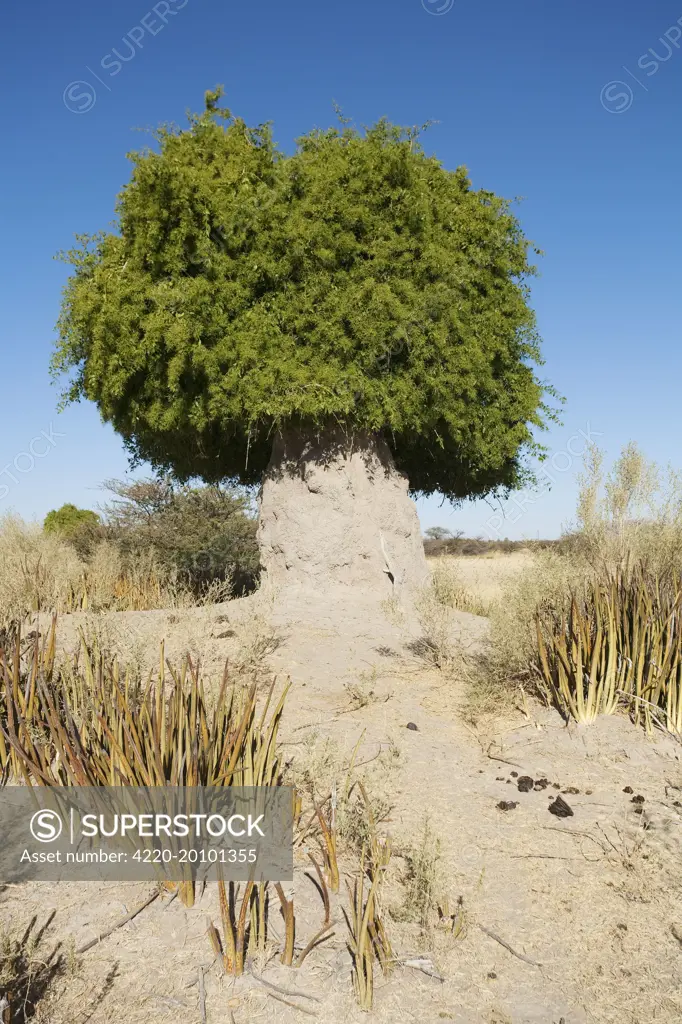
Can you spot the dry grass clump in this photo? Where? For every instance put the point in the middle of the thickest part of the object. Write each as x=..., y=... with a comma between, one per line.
x=449, y=590
x=422, y=882
x=112, y=582
x=37, y=570
x=590, y=600
x=256, y=638
x=90, y=723
x=436, y=645
x=436, y=604
x=367, y=936
x=351, y=798
x=363, y=691
x=548, y=581
x=27, y=970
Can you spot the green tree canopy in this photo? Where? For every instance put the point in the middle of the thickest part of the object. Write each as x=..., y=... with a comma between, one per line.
x=69, y=519
x=355, y=282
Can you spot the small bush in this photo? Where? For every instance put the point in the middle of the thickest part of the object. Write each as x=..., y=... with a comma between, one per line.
x=78, y=526
x=633, y=513
x=422, y=882
x=436, y=644
x=548, y=581
x=203, y=534
x=449, y=590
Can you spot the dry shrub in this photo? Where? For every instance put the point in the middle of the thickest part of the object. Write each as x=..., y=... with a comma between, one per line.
x=359, y=790
x=113, y=582
x=633, y=513
x=436, y=645
x=548, y=581
x=630, y=516
x=448, y=589
x=504, y=664
x=422, y=882
x=37, y=570
x=363, y=691
x=27, y=970
x=257, y=638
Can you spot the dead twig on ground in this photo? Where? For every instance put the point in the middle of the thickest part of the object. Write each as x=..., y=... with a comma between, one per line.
x=119, y=924
x=202, y=996
x=280, y=993
x=506, y=945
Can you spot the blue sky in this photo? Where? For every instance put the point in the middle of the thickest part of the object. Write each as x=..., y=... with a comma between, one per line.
x=523, y=96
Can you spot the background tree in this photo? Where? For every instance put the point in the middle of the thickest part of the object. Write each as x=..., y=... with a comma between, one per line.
x=437, y=533
x=80, y=527
x=330, y=322
x=206, y=533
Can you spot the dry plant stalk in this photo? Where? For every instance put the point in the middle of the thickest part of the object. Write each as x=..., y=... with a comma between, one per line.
x=455, y=921
x=239, y=910
x=361, y=920
x=328, y=842
x=367, y=934
x=287, y=907
x=234, y=914
x=19, y=693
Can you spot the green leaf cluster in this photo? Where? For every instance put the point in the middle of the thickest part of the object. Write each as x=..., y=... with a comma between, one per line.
x=69, y=519
x=355, y=281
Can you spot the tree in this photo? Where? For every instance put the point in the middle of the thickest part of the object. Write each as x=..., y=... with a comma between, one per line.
x=352, y=308
x=437, y=533
x=80, y=527
x=207, y=533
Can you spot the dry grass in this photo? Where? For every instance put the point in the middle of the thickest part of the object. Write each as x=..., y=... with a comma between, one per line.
x=40, y=572
x=27, y=970
x=632, y=515
x=358, y=791
x=547, y=581
x=422, y=882
x=36, y=570
x=436, y=645
x=448, y=589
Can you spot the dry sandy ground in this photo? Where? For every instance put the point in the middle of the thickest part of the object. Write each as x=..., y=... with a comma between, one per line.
x=569, y=920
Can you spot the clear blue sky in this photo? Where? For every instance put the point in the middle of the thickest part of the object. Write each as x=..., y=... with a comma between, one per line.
x=522, y=98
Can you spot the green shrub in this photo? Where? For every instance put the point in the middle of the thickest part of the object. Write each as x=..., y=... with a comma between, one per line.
x=80, y=527
x=204, y=534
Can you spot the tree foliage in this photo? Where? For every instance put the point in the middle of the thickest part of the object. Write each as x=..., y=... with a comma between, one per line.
x=355, y=282
x=205, y=533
